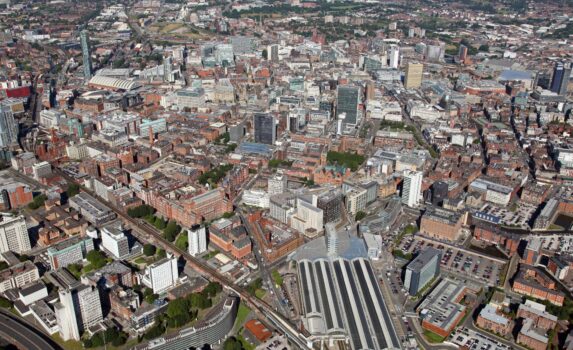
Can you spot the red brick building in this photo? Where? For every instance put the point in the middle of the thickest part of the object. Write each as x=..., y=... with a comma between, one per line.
x=532, y=282
x=492, y=320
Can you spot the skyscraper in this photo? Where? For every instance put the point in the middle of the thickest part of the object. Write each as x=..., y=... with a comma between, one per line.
x=197, y=240
x=421, y=270
x=115, y=241
x=168, y=69
x=86, y=54
x=411, y=188
x=14, y=234
x=394, y=57
x=273, y=53
x=561, y=76
x=162, y=275
x=8, y=127
x=413, y=76
x=463, y=53
x=347, y=102
x=79, y=309
x=277, y=184
x=331, y=203
x=265, y=128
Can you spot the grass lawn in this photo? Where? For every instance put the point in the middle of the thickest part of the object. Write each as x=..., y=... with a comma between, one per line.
x=140, y=260
x=260, y=293
x=130, y=344
x=246, y=344
x=211, y=254
x=277, y=277
x=242, y=314
x=182, y=241
x=433, y=337
x=171, y=27
x=68, y=345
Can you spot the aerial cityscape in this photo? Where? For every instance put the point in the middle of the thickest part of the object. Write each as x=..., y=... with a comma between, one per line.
x=286, y=174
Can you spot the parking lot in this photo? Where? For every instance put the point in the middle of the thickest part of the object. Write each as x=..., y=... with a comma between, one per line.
x=556, y=243
x=458, y=261
x=278, y=342
x=517, y=215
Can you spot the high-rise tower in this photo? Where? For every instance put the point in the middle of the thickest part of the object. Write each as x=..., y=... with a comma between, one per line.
x=561, y=76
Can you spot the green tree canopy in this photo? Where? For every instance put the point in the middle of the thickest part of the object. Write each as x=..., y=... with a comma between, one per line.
x=149, y=249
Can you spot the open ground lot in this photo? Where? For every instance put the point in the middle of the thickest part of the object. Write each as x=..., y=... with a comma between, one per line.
x=457, y=260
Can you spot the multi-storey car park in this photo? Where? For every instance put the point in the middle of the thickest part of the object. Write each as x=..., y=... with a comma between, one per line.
x=340, y=294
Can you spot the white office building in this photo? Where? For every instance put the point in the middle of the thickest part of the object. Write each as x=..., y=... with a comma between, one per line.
x=394, y=57
x=14, y=234
x=356, y=200
x=66, y=317
x=412, y=188
x=77, y=151
x=79, y=309
x=277, y=184
x=161, y=275
x=50, y=118
x=42, y=169
x=115, y=241
x=256, y=198
x=308, y=218
x=197, y=241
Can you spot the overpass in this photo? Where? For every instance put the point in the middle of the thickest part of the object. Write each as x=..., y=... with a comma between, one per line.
x=23, y=336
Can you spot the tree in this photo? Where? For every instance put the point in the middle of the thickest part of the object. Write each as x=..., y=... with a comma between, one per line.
x=5, y=303
x=178, y=320
x=265, y=54
x=232, y=343
x=75, y=269
x=141, y=211
x=360, y=215
x=150, y=299
x=199, y=300
x=484, y=48
x=159, y=223
x=256, y=284
x=161, y=253
x=171, y=230
x=179, y=306
x=96, y=259
x=37, y=202
x=213, y=288
x=72, y=190
x=155, y=331
x=349, y=160
x=149, y=250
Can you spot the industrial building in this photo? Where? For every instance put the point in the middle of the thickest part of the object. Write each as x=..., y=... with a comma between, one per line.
x=340, y=294
x=91, y=209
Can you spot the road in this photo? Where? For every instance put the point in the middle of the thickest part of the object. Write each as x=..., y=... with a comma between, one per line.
x=260, y=307
x=22, y=335
x=263, y=267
